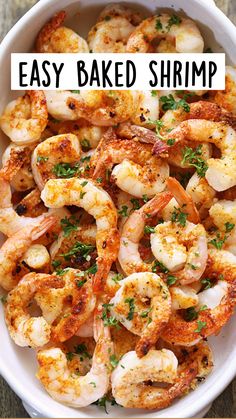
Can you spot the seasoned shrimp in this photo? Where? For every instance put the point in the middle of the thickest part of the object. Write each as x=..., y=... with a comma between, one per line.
x=56, y=38
x=201, y=192
x=119, y=10
x=10, y=221
x=110, y=35
x=14, y=248
x=47, y=155
x=226, y=98
x=143, y=306
x=184, y=200
x=182, y=249
x=31, y=205
x=218, y=303
x=73, y=390
x=25, y=118
x=183, y=297
x=37, y=257
x=135, y=373
x=223, y=214
x=137, y=171
x=24, y=329
x=100, y=108
x=147, y=108
x=13, y=159
x=96, y=202
x=180, y=35
x=132, y=232
x=220, y=172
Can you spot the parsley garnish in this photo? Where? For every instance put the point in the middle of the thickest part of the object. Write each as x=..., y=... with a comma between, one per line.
x=75, y=91
x=190, y=314
x=170, y=142
x=79, y=248
x=169, y=102
x=82, y=350
x=154, y=93
x=200, y=325
x=114, y=361
x=218, y=242
x=65, y=170
x=149, y=229
x=130, y=301
x=206, y=282
x=158, y=25
x=102, y=402
x=69, y=224
x=145, y=313
x=99, y=179
x=42, y=159
x=135, y=203
x=229, y=227
x=159, y=266
x=171, y=280
x=85, y=144
x=117, y=277
x=123, y=212
x=56, y=263
x=174, y=20
x=194, y=158
x=80, y=282
x=179, y=217
x=107, y=318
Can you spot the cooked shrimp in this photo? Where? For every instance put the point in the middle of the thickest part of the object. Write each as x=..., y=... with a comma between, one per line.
x=56, y=150
x=96, y=202
x=56, y=38
x=100, y=108
x=24, y=329
x=37, y=257
x=10, y=221
x=14, y=248
x=137, y=172
x=181, y=249
x=184, y=200
x=183, y=297
x=13, y=159
x=73, y=390
x=223, y=214
x=201, y=192
x=25, y=118
x=220, y=172
x=143, y=306
x=132, y=232
x=226, y=98
x=110, y=35
x=180, y=35
x=31, y=205
x=147, y=109
x=120, y=10
x=218, y=306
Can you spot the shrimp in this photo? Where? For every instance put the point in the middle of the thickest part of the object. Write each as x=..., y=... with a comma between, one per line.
x=223, y=214
x=119, y=10
x=110, y=35
x=132, y=232
x=96, y=202
x=14, y=248
x=183, y=297
x=147, y=109
x=31, y=205
x=220, y=172
x=10, y=221
x=201, y=192
x=157, y=366
x=73, y=390
x=143, y=306
x=61, y=149
x=181, y=249
x=26, y=330
x=37, y=257
x=13, y=159
x=184, y=200
x=218, y=303
x=100, y=108
x=180, y=35
x=137, y=171
x=56, y=38
x=226, y=98
x=25, y=118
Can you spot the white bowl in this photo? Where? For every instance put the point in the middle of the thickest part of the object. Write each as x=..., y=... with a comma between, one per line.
x=18, y=365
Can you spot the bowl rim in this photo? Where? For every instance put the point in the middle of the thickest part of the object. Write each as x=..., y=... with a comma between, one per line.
x=5, y=370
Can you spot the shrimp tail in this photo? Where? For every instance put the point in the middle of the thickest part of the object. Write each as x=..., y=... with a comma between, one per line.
x=44, y=226
x=183, y=199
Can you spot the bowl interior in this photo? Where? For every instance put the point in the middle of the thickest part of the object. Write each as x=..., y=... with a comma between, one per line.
x=18, y=365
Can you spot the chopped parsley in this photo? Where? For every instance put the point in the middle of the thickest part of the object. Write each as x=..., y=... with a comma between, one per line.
x=190, y=314
x=90, y=271
x=124, y=211
x=56, y=263
x=179, y=217
x=169, y=102
x=149, y=229
x=206, y=282
x=69, y=224
x=170, y=142
x=158, y=266
x=194, y=158
x=135, y=203
x=145, y=313
x=79, y=248
x=85, y=144
x=117, y=277
x=171, y=280
x=66, y=170
x=109, y=320
x=229, y=227
x=82, y=350
x=80, y=282
x=154, y=93
x=70, y=356
x=130, y=302
x=200, y=326
x=102, y=402
x=218, y=242
x=174, y=20
x=41, y=159
x=158, y=25
x=99, y=180
x=114, y=361
x=75, y=91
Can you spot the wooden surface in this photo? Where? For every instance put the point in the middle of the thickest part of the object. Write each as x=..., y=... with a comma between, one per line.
x=10, y=405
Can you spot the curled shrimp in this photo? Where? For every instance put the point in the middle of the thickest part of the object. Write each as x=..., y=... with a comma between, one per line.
x=63, y=148
x=24, y=329
x=16, y=168
x=100, y=108
x=10, y=221
x=143, y=306
x=73, y=390
x=220, y=172
x=216, y=304
x=110, y=35
x=223, y=214
x=137, y=171
x=160, y=366
x=184, y=200
x=56, y=38
x=132, y=232
x=119, y=10
x=25, y=118
x=179, y=35
x=181, y=249
x=14, y=248
x=96, y=202
x=201, y=192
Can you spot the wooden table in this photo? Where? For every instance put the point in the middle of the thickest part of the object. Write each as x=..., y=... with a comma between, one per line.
x=10, y=404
